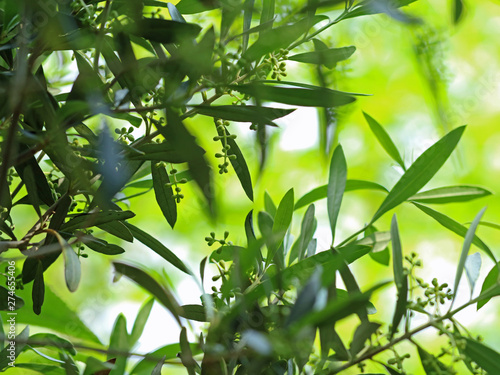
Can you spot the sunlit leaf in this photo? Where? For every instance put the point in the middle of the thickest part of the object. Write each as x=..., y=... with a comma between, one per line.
x=469, y=237
x=421, y=171
x=329, y=57
x=5, y=354
x=194, y=312
x=384, y=140
x=196, y=6
x=72, y=268
x=246, y=113
x=322, y=191
x=40, y=340
x=450, y=194
x=472, y=268
x=430, y=363
x=455, y=227
x=186, y=355
x=297, y=96
x=336, y=187
x=400, y=278
x=307, y=229
x=140, y=321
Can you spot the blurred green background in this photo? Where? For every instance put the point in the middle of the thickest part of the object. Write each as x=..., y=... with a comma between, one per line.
x=424, y=80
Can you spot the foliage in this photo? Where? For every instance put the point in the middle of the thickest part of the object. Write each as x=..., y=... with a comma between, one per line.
x=278, y=301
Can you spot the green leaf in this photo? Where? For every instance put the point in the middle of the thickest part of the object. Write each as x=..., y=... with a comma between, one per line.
x=363, y=332
x=6, y=354
x=101, y=246
x=186, y=146
x=186, y=355
x=239, y=164
x=336, y=187
x=450, y=194
x=38, y=292
x=158, y=367
x=430, y=363
x=397, y=254
x=487, y=358
x=455, y=227
x=472, y=268
x=281, y=223
x=385, y=140
x=56, y=316
x=280, y=37
x=72, y=268
x=421, y=171
x=41, y=340
x=306, y=298
x=140, y=321
x=117, y=229
x=384, y=6
x=94, y=219
x=491, y=280
x=307, y=229
x=165, y=31
x=322, y=191
x=194, y=312
x=164, y=193
x=469, y=237
x=157, y=247
x=269, y=205
x=244, y=113
x=329, y=57
x=93, y=365
x=298, y=96
x=145, y=366
x=4, y=300
x=174, y=13
x=197, y=6
x=159, y=152
x=458, y=9
x=400, y=279
x=30, y=183
x=144, y=280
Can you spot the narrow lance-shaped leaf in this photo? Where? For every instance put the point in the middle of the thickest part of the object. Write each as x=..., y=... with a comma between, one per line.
x=384, y=140
x=455, y=227
x=363, y=332
x=328, y=57
x=140, y=321
x=450, y=194
x=282, y=221
x=336, y=187
x=280, y=37
x=269, y=204
x=186, y=354
x=400, y=279
x=72, y=268
x=163, y=193
x=322, y=191
x=237, y=160
x=469, y=237
x=487, y=358
x=472, y=268
x=144, y=280
x=421, y=171
x=157, y=247
x=491, y=280
x=307, y=229
x=458, y=9
x=38, y=291
x=298, y=96
x=94, y=219
x=247, y=113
